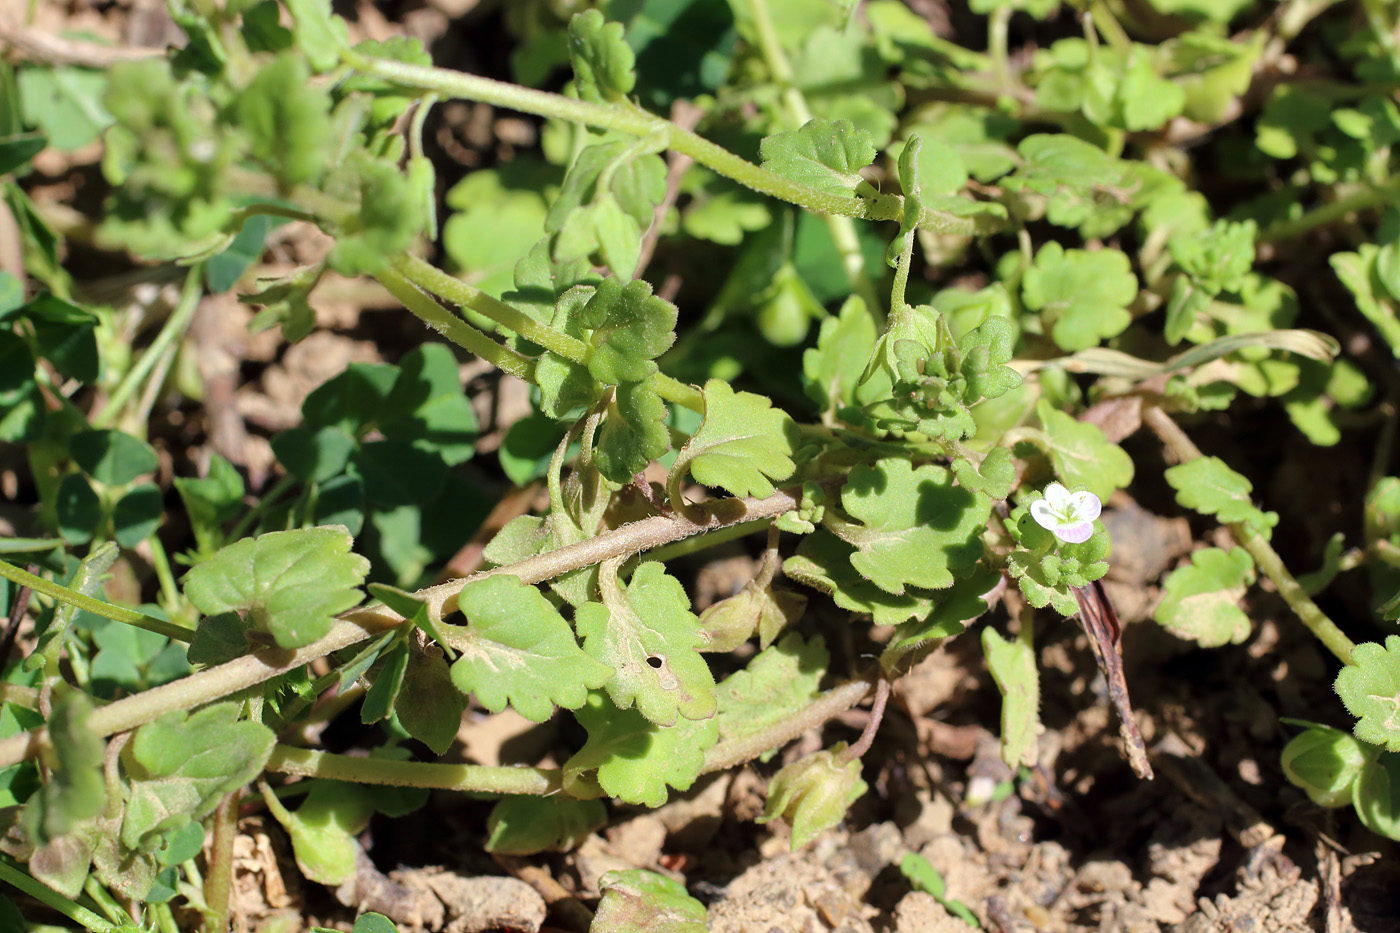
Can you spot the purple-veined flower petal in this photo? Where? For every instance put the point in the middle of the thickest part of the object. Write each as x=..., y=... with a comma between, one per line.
x=1085, y=505
x=1075, y=534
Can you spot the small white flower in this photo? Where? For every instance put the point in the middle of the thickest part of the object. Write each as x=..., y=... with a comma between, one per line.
x=1069, y=515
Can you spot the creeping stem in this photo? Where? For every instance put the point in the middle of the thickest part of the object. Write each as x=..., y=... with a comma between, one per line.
x=624, y=119
x=1265, y=557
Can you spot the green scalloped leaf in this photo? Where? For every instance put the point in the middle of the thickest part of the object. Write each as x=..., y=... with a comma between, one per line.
x=1370, y=689
x=917, y=525
x=517, y=649
x=1201, y=599
x=1082, y=455
x=602, y=59
x=635, y=760
x=287, y=584
x=648, y=635
x=1012, y=664
x=743, y=446
x=822, y=154
x=1210, y=487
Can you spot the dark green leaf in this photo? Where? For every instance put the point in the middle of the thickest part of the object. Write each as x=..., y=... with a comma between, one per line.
x=112, y=457
x=137, y=514
x=78, y=509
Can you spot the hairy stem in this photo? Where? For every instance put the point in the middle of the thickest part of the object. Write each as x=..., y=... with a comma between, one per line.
x=475, y=778
x=872, y=725
x=833, y=703
x=218, y=882
x=1265, y=557
x=174, y=328
x=454, y=328
x=96, y=606
x=355, y=626
x=843, y=232
x=630, y=120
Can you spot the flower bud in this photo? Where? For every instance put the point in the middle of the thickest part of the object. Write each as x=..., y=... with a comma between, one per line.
x=812, y=794
x=1324, y=762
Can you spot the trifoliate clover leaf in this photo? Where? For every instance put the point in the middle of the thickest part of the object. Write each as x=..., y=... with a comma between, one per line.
x=517, y=649
x=635, y=759
x=1201, y=599
x=1082, y=455
x=181, y=765
x=648, y=635
x=1370, y=690
x=427, y=405
x=528, y=825
x=1082, y=296
x=1325, y=763
x=823, y=562
x=289, y=585
x=778, y=681
x=824, y=155
x=1210, y=487
x=602, y=59
x=914, y=639
x=1012, y=664
x=917, y=526
x=812, y=794
x=639, y=901
x=743, y=445
x=633, y=434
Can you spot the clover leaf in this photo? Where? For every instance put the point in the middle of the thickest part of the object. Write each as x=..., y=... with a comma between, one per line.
x=640, y=901
x=1201, y=600
x=1082, y=296
x=648, y=635
x=917, y=525
x=821, y=154
x=743, y=445
x=286, y=584
x=1370, y=690
x=635, y=759
x=516, y=649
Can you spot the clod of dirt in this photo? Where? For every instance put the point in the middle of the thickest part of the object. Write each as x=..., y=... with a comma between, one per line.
x=475, y=905
x=789, y=894
x=920, y=913
x=1273, y=902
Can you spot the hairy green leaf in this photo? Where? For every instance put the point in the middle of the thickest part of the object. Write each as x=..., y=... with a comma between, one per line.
x=1201, y=599
x=822, y=154
x=602, y=59
x=289, y=585
x=1370, y=689
x=1210, y=487
x=639, y=901
x=743, y=445
x=1012, y=664
x=528, y=825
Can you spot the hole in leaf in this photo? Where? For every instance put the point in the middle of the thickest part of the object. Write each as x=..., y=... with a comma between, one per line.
x=656, y=662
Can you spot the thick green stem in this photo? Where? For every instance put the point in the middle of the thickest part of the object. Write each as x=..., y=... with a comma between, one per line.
x=432, y=279
x=1265, y=557
x=635, y=122
x=174, y=328
x=454, y=328
x=96, y=606
x=475, y=778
